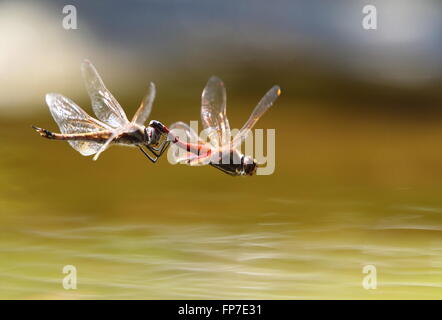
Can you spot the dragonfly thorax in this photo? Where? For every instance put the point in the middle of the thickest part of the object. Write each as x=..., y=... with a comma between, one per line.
x=244, y=166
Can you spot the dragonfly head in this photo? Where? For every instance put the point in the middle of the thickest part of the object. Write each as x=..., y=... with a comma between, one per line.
x=152, y=135
x=248, y=166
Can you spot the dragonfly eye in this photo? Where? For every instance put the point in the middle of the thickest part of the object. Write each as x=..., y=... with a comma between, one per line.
x=152, y=135
x=148, y=134
x=249, y=165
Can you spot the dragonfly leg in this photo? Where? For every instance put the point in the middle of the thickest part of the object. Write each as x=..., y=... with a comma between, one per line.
x=163, y=147
x=158, y=151
x=160, y=145
x=154, y=160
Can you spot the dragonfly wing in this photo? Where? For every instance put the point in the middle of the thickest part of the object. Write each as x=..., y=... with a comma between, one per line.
x=181, y=128
x=105, y=106
x=213, y=111
x=199, y=160
x=72, y=119
x=192, y=159
x=145, y=108
x=263, y=105
x=104, y=146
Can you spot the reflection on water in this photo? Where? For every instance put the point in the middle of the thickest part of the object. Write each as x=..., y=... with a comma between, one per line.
x=275, y=256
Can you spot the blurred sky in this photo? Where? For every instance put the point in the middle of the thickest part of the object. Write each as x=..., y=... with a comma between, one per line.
x=299, y=43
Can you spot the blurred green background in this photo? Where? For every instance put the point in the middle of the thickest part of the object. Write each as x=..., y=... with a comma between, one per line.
x=358, y=177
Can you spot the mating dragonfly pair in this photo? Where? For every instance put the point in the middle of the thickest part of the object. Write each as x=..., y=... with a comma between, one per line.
x=91, y=136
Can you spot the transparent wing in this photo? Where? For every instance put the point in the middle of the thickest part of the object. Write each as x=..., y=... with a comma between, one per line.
x=263, y=105
x=213, y=111
x=145, y=108
x=104, y=104
x=198, y=160
x=179, y=128
x=72, y=119
x=104, y=146
x=192, y=159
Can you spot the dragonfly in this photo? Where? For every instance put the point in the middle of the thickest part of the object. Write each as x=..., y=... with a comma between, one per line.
x=91, y=136
x=222, y=151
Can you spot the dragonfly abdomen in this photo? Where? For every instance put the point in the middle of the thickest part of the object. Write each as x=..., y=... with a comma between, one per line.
x=99, y=136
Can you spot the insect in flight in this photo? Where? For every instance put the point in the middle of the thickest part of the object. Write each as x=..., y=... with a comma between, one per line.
x=221, y=152
x=91, y=136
